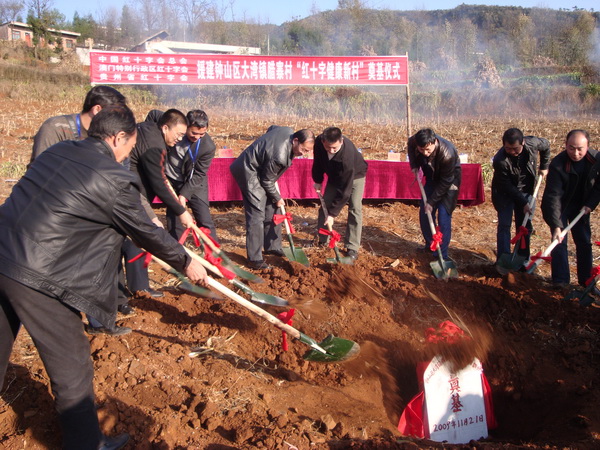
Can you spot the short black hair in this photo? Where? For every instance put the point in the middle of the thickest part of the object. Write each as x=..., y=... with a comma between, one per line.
x=331, y=135
x=172, y=117
x=111, y=120
x=103, y=96
x=512, y=135
x=425, y=137
x=197, y=118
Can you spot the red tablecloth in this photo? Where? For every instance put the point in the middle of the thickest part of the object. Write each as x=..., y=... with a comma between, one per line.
x=385, y=180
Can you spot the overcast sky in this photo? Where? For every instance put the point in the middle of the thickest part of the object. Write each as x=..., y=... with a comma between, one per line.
x=278, y=11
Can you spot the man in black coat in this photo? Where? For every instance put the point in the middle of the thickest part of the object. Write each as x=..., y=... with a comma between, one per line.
x=61, y=232
x=256, y=172
x=336, y=156
x=439, y=161
x=75, y=127
x=186, y=169
x=515, y=170
x=572, y=185
x=149, y=156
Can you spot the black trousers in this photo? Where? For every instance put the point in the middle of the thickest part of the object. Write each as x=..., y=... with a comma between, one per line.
x=57, y=331
x=135, y=272
x=200, y=211
x=261, y=231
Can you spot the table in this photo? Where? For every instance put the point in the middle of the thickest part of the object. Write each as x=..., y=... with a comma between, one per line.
x=385, y=180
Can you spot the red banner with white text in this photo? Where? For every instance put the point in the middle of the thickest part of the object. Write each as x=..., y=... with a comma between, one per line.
x=157, y=68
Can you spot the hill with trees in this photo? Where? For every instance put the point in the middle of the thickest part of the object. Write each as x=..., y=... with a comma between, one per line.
x=471, y=59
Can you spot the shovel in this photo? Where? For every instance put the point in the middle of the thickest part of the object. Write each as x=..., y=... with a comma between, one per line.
x=215, y=248
x=292, y=253
x=441, y=269
x=331, y=349
x=186, y=284
x=537, y=259
x=584, y=296
x=508, y=263
x=254, y=296
x=244, y=274
x=338, y=258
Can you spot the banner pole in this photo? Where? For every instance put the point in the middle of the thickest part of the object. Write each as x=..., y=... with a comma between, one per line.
x=408, y=114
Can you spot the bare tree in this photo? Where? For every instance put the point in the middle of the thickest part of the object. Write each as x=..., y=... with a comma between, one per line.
x=351, y=4
x=192, y=12
x=150, y=14
x=9, y=10
x=108, y=21
x=40, y=8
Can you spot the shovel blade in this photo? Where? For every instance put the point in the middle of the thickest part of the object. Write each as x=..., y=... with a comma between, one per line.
x=337, y=349
x=509, y=262
x=296, y=254
x=583, y=296
x=243, y=274
x=197, y=290
x=259, y=297
x=444, y=270
x=268, y=299
x=575, y=294
x=341, y=260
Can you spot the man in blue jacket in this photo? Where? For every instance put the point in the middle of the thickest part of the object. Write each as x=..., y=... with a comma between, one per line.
x=61, y=232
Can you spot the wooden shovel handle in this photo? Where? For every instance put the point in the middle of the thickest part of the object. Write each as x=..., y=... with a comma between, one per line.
x=285, y=221
x=424, y=196
x=243, y=302
x=533, y=199
x=208, y=241
x=252, y=307
x=563, y=233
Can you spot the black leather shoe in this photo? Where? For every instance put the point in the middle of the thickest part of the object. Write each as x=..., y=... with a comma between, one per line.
x=126, y=309
x=116, y=331
x=258, y=265
x=352, y=254
x=275, y=252
x=114, y=443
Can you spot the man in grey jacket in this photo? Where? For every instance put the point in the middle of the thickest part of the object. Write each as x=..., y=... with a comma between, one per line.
x=256, y=171
x=61, y=232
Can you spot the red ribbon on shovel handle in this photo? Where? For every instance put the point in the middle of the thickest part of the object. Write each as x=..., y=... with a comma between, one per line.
x=521, y=233
x=278, y=218
x=436, y=239
x=594, y=274
x=147, y=258
x=537, y=256
x=285, y=317
x=334, y=236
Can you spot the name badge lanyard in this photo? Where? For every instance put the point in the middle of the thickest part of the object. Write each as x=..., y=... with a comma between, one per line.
x=194, y=156
x=78, y=120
